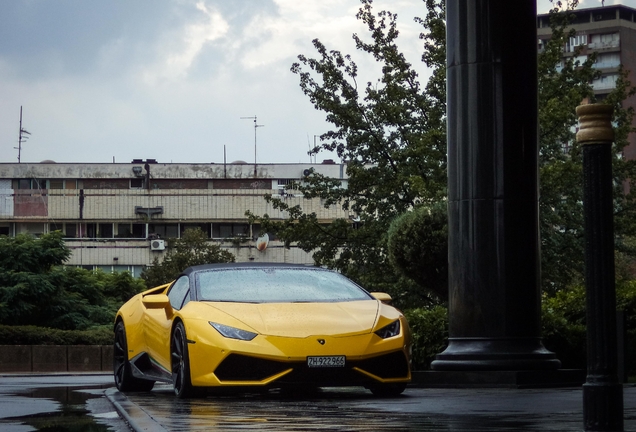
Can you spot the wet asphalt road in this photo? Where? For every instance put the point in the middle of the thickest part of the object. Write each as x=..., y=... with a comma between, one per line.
x=57, y=403
x=355, y=409
x=83, y=403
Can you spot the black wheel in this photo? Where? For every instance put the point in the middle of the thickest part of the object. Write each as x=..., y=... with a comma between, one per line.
x=181, y=364
x=124, y=380
x=388, y=390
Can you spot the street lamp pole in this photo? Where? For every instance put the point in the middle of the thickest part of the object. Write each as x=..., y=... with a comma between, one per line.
x=602, y=391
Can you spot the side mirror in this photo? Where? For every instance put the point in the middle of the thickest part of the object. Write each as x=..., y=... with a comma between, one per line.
x=156, y=301
x=383, y=297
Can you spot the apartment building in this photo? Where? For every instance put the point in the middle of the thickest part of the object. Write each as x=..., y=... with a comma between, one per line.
x=610, y=32
x=117, y=217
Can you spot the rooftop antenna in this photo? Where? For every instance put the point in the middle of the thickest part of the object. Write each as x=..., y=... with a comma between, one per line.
x=255, y=126
x=22, y=136
x=311, y=153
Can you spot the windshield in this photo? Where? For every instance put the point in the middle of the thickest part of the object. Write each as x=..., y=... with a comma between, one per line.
x=277, y=285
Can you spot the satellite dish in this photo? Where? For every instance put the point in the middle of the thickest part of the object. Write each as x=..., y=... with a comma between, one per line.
x=262, y=242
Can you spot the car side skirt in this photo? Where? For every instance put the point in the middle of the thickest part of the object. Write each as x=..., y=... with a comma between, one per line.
x=143, y=367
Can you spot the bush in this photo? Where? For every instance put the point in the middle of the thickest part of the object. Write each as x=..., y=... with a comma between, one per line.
x=564, y=333
x=418, y=247
x=429, y=328
x=563, y=327
x=32, y=335
x=564, y=324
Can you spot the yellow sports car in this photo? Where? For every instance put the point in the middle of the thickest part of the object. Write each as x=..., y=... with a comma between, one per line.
x=261, y=325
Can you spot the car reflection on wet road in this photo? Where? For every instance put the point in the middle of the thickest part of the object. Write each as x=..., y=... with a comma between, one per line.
x=345, y=409
x=325, y=409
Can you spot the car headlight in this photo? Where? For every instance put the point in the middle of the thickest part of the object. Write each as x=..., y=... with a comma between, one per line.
x=390, y=330
x=233, y=332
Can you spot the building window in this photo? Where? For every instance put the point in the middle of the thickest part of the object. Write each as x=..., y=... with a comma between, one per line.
x=625, y=15
x=104, y=268
x=163, y=230
x=128, y=230
x=39, y=184
x=33, y=228
x=605, y=82
x=607, y=40
x=124, y=230
x=45, y=184
x=137, y=183
x=62, y=184
x=230, y=230
x=604, y=14
x=286, y=183
x=205, y=227
x=576, y=42
x=608, y=60
x=71, y=230
x=105, y=230
x=24, y=184
x=610, y=38
x=56, y=184
x=87, y=230
x=139, y=230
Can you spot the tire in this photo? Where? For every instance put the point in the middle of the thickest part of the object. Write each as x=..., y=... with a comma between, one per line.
x=388, y=390
x=122, y=371
x=183, y=388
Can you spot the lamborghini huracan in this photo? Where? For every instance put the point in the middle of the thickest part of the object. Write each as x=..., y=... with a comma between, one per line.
x=260, y=325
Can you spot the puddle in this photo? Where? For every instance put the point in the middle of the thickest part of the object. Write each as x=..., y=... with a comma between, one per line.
x=58, y=409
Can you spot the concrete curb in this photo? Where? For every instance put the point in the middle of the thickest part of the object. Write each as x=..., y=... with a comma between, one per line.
x=48, y=374
x=136, y=417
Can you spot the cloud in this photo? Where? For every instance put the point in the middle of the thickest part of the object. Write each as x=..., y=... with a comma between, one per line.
x=171, y=79
x=179, y=49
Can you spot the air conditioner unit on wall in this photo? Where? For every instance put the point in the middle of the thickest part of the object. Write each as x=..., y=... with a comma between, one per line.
x=157, y=245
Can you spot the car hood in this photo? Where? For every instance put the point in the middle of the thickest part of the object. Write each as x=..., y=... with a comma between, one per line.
x=304, y=319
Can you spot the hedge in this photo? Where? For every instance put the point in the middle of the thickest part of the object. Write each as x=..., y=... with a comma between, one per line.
x=32, y=335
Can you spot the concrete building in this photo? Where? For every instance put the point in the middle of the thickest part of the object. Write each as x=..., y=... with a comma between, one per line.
x=118, y=216
x=610, y=32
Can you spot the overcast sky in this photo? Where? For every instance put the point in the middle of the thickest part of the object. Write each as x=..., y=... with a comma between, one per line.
x=171, y=79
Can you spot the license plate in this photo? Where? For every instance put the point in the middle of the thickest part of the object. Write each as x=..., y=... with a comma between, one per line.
x=326, y=361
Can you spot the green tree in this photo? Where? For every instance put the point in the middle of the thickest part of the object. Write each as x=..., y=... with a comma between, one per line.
x=561, y=90
x=25, y=264
x=391, y=133
x=36, y=289
x=26, y=253
x=193, y=248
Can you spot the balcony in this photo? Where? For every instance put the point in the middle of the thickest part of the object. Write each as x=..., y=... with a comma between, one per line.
x=604, y=45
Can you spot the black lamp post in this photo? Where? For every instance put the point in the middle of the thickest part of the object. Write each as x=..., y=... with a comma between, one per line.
x=602, y=391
